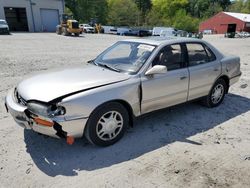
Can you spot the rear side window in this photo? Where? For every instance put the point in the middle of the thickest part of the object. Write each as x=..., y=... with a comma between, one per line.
x=210, y=54
x=197, y=54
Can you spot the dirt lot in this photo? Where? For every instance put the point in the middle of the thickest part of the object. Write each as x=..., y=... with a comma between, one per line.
x=184, y=146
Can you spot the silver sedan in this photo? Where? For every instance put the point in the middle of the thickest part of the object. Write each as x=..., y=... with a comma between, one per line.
x=101, y=98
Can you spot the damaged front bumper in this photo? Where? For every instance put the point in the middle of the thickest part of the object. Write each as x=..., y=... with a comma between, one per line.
x=61, y=128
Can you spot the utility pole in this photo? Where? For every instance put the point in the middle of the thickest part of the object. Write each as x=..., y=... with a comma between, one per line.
x=32, y=14
x=63, y=5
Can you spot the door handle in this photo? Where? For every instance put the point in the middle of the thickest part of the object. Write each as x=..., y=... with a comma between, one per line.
x=183, y=77
x=216, y=69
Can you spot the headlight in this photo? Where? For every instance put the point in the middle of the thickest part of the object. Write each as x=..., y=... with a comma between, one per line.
x=46, y=110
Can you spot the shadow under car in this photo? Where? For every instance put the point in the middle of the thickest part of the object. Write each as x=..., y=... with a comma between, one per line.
x=152, y=131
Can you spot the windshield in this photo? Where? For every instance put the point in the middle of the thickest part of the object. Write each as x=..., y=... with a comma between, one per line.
x=3, y=22
x=125, y=56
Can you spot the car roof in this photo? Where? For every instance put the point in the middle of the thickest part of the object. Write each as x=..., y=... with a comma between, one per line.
x=157, y=41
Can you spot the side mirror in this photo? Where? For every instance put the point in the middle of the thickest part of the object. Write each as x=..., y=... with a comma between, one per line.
x=157, y=69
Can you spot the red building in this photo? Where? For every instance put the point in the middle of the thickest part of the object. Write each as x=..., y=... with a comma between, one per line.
x=226, y=22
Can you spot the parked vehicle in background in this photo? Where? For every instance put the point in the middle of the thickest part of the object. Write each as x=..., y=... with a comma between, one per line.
x=109, y=29
x=68, y=26
x=208, y=31
x=168, y=32
x=242, y=34
x=122, y=30
x=131, y=78
x=138, y=32
x=181, y=33
x=157, y=31
x=195, y=35
x=86, y=28
x=230, y=35
x=4, y=28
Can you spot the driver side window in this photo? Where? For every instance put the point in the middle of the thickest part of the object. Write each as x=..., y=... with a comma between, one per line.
x=170, y=56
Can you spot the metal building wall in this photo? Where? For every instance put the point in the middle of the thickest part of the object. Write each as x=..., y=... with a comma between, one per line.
x=33, y=10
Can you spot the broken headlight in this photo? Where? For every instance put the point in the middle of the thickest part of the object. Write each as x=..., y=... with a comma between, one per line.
x=45, y=110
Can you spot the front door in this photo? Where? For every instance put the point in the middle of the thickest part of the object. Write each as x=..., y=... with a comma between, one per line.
x=167, y=89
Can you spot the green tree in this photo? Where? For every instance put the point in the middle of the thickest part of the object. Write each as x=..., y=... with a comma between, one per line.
x=84, y=10
x=144, y=7
x=207, y=8
x=72, y=6
x=248, y=6
x=224, y=4
x=184, y=21
x=212, y=10
x=122, y=13
x=241, y=6
x=163, y=11
x=197, y=8
x=168, y=7
x=179, y=13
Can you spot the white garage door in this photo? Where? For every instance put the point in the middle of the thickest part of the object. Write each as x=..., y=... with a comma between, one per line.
x=50, y=19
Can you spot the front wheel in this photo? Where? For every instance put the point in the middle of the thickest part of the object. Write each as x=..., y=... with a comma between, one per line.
x=217, y=94
x=65, y=32
x=107, y=124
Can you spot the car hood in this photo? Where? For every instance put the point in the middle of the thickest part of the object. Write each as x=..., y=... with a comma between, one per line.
x=51, y=85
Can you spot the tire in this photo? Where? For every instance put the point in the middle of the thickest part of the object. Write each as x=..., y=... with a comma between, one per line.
x=58, y=31
x=65, y=32
x=217, y=94
x=102, y=128
x=77, y=34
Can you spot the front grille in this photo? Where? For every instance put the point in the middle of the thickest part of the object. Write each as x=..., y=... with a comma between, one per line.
x=20, y=100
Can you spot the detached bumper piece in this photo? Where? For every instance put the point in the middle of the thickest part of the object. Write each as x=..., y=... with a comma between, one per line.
x=62, y=134
x=57, y=127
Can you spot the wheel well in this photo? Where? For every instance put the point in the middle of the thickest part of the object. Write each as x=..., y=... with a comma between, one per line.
x=226, y=79
x=129, y=109
x=123, y=103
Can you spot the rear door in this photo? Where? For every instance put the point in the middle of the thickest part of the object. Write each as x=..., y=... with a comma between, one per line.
x=163, y=90
x=204, y=69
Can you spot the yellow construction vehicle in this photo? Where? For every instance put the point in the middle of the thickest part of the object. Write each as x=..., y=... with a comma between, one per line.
x=68, y=26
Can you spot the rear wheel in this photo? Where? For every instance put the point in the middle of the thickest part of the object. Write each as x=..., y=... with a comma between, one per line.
x=217, y=94
x=107, y=124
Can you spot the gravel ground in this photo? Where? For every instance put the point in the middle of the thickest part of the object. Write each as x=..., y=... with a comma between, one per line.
x=183, y=146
